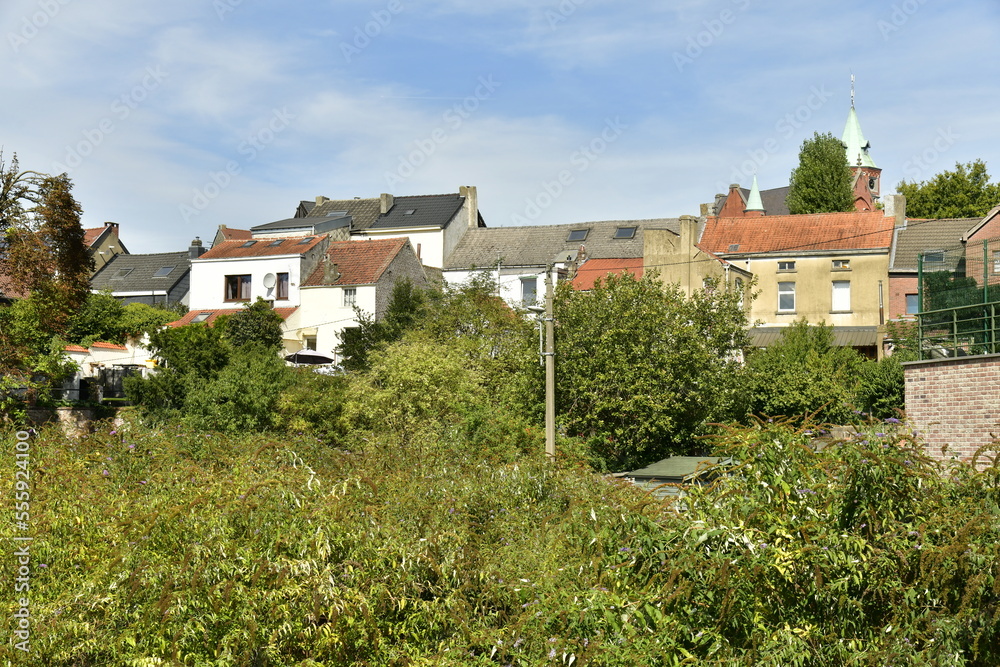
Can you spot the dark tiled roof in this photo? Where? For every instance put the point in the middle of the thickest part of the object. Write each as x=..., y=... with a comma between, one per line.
x=420, y=211
x=593, y=269
x=541, y=244
x=358, y=262
x=263, y=247
x=214, y=314
x=918, y=236
x=855, y=230
x=143, y=267
x=842, y=336
x=306, y=223
x=363, y=211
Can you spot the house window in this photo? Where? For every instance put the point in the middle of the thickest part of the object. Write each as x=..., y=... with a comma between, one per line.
x=739, y=289
x=350, y=296
x=841, y=296
x=625, y=233
x=201, y=317
x=934, y=257
x=163, y=272
x=238, y=288
x=996, y=261
x=841, y=265
x=121, y=273
x=310, y=342
x=786, y=297
x=578, y=235
x=282, y=286
x=786, y=266
x=529, y=291
x=912, y=304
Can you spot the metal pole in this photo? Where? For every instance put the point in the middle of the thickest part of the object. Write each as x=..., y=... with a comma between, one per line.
x=550, y=369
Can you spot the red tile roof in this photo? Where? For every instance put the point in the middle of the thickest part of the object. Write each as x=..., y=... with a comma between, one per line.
x=855, y=230
x=213, y=314
x=75, y=348
x=262, y=247
x=359, y=262
x=107, y=346
x=592, y=269
x=230, y=234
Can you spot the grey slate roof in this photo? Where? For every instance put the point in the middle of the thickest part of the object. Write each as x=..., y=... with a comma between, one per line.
x=537, y=245
x=918, y=236
x=363, y=211
x=140, y=278
x=312, y=224
x=420, y=211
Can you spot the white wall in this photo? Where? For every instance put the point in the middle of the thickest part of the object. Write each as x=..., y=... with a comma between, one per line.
x=510, y=281
x=208, y=280
x=322, y=313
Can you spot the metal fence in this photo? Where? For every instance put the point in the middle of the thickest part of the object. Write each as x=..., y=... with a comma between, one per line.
x=959, y=295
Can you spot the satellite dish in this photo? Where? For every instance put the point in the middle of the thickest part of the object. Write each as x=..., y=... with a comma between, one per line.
x=270, y=281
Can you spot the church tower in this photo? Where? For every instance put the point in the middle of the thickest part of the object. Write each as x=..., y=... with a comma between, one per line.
x=867, y=176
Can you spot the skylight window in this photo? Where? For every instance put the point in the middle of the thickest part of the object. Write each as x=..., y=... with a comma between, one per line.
x=934, y=256
x=121, y=273
x=163, y=272
x=733, y=247
x=625, y=233
x=275, y=243
x=201, y=317
x=578, y=235
x=248, y=244
x=308, y=239
x=409, y=211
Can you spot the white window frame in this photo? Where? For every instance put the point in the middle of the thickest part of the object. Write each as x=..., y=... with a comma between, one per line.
x=786, y=288
x=786, y=265
x=529, y=284
x=350, y=297
x=840, y=296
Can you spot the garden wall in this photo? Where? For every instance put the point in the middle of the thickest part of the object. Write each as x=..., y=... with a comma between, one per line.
x=954, y=403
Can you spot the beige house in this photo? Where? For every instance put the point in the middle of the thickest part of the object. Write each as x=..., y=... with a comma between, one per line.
x=830, y=268
x=678, y=258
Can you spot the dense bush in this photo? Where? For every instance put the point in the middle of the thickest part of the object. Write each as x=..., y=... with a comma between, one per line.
x=177, y=547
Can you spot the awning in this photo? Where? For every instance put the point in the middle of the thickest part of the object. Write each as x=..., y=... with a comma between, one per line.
x=842, y=336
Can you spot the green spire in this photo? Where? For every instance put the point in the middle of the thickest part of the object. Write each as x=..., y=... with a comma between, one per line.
x=854, y=140
x=753, y=201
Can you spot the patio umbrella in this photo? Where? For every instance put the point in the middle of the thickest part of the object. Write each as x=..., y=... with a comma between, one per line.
x=310, y=357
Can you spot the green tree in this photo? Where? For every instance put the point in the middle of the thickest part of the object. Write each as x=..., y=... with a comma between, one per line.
x=255, y=323
x=19, y=192
x=804, y=374
x=965, y=192
x=821, y=183
x=403, y=312
x=641, y=370
x=105, y=318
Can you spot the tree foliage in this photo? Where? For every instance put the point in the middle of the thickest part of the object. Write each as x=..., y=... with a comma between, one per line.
x=965, y=192
x=255, y=323
x=804, y=375
x=404, y=310
x=821, y=183
x=641, y=370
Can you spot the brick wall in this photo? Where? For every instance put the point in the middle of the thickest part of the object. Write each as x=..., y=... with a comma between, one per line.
x=899, y=287
x=954, y=402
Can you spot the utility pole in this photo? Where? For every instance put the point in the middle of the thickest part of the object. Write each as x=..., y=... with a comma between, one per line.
x=550, y=369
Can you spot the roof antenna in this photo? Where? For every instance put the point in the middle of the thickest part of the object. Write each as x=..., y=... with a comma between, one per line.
x=852, y=90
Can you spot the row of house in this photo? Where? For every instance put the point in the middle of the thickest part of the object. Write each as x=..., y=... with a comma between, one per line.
x=854, y=271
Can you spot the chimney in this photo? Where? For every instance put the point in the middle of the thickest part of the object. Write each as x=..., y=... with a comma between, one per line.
x=112, y=225
x=331, y=273
x=385, y=202
x=471, y=203
x=689, y=232
x=196, y=250
x=895, y=207
x=320, y=200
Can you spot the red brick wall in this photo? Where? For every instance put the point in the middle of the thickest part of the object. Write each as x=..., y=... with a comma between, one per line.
x=899, y=287
x=954, y=402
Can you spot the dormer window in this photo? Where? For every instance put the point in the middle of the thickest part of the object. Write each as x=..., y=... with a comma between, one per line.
x=625, y=233
x=577, y=235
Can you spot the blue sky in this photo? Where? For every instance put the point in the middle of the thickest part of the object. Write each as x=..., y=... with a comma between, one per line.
x=173, y=118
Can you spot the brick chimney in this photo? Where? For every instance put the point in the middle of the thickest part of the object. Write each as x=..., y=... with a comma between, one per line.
x=197, y=249
x=386, y=201
x=471, y=203
x=320, y=200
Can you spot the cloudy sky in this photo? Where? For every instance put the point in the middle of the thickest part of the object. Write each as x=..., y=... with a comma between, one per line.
x=175, y=117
